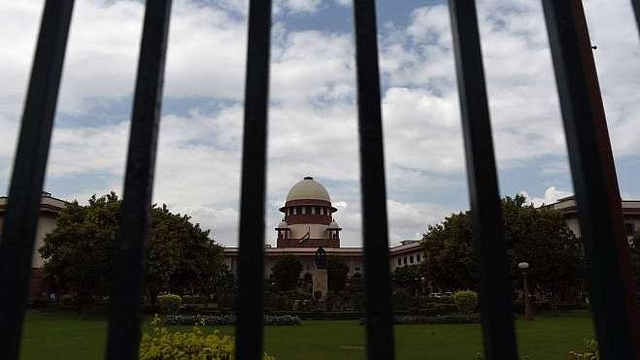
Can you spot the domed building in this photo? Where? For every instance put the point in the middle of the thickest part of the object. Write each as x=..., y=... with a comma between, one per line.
x=308, y=223
x=308, y=218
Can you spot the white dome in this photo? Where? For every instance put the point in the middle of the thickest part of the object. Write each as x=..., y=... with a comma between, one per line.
x=334, y=225
x=283, y=224
x=308, y=189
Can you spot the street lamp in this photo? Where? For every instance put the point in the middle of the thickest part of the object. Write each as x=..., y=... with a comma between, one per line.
x=524, y=266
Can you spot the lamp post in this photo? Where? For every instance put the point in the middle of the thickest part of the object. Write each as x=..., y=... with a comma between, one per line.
x=524, y=266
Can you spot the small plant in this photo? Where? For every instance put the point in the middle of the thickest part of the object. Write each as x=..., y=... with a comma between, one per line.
x=591, y=352
x=66, y=300
x=170, y=303
x=162, y=344
x=466, y=301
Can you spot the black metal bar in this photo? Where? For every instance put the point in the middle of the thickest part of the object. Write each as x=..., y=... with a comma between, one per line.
x=23, y=207
x=488, y=224
x=130, y=256
x=378, y=316
x=249, y=299
x=636, y=10
x=594, y=178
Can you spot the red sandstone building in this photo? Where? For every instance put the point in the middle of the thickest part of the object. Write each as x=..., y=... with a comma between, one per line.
x=308, y=223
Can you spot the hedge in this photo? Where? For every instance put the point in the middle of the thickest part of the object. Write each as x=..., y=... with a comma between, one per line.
x=226, y=319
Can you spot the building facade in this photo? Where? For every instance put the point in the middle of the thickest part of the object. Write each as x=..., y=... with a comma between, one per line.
x=630, y=210
x=308, y=223
x=50, y=207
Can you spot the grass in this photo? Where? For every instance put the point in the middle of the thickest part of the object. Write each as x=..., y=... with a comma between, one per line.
x=72, y=336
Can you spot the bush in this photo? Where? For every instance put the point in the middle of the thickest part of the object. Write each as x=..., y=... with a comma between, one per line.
x=66, y=300
x=226, y=301
x=466, y=301
x=193, y=299
x=170, y=303
x=590, y=354
x=162, y=344
x=38, y=302
x=226, y=319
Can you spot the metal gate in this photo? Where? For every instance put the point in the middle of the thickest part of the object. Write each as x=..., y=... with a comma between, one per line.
x=598, y=199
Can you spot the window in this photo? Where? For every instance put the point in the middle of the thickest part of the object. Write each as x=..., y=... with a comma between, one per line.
x=294, y=211
x=630, y=228
x=313, y=210
x=357, y=268
x=304, y=210
x=418, y=258
x=411, y=259
x=404, y=260
x=321, y=211
x=399, y=261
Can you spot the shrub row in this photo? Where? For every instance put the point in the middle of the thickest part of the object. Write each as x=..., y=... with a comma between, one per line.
x=227, y=319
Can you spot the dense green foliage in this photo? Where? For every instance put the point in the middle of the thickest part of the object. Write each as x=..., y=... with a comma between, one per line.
x=410, y=279
x=78, y=253
x=58, y=336
x=538, y=236
x=337, y=272
x=591, y=352
x=286, y=272
x=163, y=344
x=169, y=303
x=466, y=301
x=227, y=319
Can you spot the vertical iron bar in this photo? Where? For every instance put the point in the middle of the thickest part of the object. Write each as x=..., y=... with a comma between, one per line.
x=374, y=211
x=130, y=256
x=488, y=224
x=21, y=217
x=636, y=10
x=254, y=148
x=594, y=178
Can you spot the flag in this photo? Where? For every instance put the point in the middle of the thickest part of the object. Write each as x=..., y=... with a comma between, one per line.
x=306, y=236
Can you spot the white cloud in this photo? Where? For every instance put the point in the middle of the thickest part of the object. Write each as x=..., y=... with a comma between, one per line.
x=313, y=126
x=551, y=195
x=309, y=6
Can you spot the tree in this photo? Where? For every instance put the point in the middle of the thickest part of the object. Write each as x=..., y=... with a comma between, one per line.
x=182, y=258
x=409, y=278
x=538, y=236
x=78, y=253
x=286, y=272
x=337, y=272
x=449, y=253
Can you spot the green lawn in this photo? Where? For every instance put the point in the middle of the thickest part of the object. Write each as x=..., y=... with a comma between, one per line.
x=66, y=336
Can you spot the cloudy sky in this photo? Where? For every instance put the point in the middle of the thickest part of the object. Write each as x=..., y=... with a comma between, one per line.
x=312, y=129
